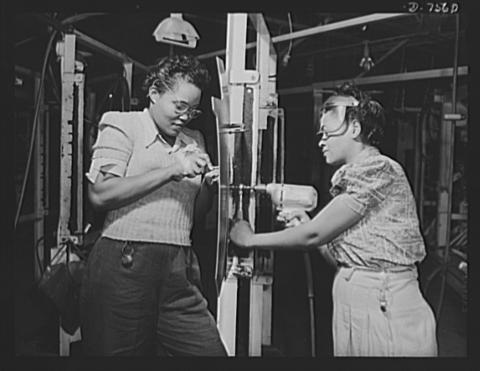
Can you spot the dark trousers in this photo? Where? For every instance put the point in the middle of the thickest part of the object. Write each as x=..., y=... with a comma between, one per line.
x=153, y=307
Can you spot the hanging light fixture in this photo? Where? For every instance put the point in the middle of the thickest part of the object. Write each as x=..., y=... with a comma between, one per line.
x=175, y=30
x=366, y=62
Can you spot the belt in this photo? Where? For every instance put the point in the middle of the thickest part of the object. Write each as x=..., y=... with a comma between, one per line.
x=383, y=291
x=397, y=269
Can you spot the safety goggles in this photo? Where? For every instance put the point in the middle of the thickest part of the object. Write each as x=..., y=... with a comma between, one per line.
x=330, y=103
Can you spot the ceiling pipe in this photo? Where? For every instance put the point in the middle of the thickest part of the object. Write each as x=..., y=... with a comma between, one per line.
x=319, y=29
x=381, y=79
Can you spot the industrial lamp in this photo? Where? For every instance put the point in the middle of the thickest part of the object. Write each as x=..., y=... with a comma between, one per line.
x=175, y=30
x=366, y=62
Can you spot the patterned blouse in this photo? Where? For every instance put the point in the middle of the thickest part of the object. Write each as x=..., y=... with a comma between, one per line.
x=388, y=235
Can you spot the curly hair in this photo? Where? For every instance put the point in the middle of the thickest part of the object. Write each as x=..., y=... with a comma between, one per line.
x=369, y=113
x=168, y=70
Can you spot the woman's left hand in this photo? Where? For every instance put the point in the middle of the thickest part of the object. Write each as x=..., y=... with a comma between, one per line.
x=212, y=175
x=241, y=233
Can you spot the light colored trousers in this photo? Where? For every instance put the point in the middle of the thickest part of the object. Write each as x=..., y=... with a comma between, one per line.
x=381, y=314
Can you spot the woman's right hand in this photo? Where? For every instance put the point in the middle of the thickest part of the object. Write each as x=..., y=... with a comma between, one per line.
x=292, y=217
x=190, y=163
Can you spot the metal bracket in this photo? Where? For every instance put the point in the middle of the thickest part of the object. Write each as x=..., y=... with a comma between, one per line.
x=232, y=128
x=244, y=77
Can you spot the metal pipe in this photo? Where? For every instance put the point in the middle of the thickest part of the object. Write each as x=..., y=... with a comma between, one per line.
x=455, y=65
x=108, y=51
x=317, y=30
x=329, y=52
x=337, y=25
x=394, y=77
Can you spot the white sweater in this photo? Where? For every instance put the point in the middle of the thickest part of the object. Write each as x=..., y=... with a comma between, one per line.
x=130, y=143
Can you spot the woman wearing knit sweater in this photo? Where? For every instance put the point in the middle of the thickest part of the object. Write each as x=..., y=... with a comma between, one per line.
x=371, y=229
x=140, y=294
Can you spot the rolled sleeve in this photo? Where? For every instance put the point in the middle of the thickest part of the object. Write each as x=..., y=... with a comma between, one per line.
x=112, y=149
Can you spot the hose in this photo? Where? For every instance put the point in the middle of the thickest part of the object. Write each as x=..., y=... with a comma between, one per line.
x=311, y=301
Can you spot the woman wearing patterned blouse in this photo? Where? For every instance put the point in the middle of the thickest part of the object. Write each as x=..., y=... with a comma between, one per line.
x=371, y=229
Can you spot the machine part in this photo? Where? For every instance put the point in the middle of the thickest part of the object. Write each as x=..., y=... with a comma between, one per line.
x=239, y=120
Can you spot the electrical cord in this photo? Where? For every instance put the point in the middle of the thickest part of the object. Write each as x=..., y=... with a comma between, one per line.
x=37, y=255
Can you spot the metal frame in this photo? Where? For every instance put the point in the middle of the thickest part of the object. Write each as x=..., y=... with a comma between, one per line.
x=91, y=42
x=260, y=85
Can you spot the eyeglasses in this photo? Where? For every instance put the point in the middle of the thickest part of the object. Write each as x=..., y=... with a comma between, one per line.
x=183, y=108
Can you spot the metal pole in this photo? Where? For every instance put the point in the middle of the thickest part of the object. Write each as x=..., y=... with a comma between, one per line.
x=446, y=254
x=39, y=192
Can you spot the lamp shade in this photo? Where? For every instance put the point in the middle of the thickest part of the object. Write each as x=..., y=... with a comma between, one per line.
x=175, y=30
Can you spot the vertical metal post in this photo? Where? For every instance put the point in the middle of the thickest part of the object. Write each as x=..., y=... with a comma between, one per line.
x=265, y=104
x=233, y=97
x=39, y=189
x=235, y=63
x=66, y=50
x=447, y=133
x=422, y=158
x=80, y=85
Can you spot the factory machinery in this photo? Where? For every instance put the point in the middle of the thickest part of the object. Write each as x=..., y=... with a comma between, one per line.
x=251, y=157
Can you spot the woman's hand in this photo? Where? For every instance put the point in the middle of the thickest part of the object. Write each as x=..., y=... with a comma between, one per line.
x=293, y=217
x=241, y=234
x=191, y=162
x=212, y=176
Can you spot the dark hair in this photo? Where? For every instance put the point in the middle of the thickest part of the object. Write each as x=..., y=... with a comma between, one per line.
x=168, y=70
x=369, y=113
